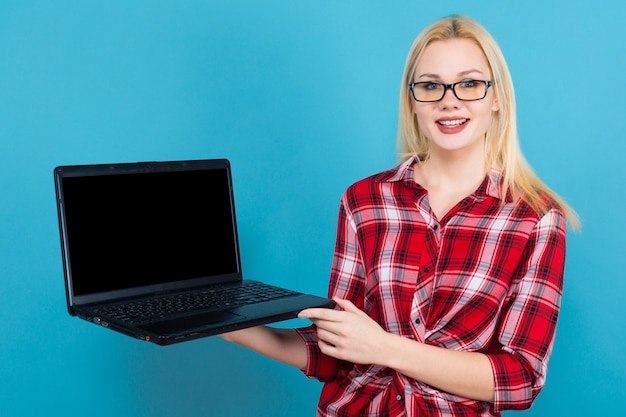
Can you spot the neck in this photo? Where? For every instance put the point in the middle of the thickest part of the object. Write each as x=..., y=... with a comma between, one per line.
x=453, y=170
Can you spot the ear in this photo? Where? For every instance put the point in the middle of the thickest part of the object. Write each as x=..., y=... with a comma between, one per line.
x=496, y=104
x=412, y=102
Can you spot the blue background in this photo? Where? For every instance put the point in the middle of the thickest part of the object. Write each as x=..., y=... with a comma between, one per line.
x=302, y=97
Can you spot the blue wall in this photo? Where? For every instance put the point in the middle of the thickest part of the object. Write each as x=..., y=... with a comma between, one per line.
x=302, y=97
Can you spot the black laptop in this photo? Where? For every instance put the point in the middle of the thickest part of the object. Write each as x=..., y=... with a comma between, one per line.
x=151, y=250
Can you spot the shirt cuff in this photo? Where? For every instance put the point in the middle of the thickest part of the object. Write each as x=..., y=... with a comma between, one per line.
x=515, y=384
x=319, y=365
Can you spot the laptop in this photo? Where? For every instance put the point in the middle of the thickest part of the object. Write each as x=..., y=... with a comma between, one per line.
x=151, y=250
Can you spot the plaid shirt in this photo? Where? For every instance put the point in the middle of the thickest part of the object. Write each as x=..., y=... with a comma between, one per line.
x=488, y=278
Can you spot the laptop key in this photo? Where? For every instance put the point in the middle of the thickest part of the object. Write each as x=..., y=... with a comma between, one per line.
x=170, y=306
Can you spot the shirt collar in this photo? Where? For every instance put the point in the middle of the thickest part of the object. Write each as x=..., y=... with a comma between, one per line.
x=492, y=186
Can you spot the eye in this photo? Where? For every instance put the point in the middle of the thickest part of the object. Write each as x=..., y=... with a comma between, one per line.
x=430, y=86
x=468, y=84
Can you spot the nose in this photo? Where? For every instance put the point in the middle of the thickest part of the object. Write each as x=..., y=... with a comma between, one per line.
x=449, y=99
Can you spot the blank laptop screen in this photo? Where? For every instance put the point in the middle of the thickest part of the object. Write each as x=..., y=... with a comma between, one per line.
x=132, y=230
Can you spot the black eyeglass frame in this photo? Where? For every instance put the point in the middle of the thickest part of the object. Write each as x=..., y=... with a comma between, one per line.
x=446, y=87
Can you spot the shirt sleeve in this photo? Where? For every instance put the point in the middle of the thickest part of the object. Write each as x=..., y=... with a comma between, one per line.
x=528, y=324
x=346, y=281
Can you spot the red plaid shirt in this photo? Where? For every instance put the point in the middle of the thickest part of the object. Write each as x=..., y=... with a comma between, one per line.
x=486, y=278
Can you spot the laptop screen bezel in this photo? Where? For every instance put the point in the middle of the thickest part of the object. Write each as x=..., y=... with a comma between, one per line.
x=74, y=300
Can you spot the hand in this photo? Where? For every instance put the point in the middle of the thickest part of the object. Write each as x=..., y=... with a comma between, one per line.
x=348, y=334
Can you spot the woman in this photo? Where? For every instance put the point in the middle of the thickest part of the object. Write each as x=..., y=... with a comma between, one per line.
x=448, y=269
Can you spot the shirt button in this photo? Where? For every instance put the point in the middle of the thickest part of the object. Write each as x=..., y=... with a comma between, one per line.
x=426, y=269
x=436, y=227
x=418, y=321
x=399, y=397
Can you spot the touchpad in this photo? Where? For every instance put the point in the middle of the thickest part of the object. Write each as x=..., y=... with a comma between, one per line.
x=192, y=322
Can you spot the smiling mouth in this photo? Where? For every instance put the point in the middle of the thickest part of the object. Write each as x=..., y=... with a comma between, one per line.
x=452, y=123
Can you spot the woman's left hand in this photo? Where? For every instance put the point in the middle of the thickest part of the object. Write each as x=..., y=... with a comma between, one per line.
x=348, y=334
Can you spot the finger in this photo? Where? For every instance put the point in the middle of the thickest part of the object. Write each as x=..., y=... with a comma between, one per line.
x=320, y=313
x=327, y=348
x=329, y=326
x=327, y=336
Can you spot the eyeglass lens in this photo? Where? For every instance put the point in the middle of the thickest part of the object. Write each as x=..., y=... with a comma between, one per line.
x=464, y=90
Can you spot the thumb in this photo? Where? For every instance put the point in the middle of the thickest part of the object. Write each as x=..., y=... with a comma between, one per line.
x=346, y=305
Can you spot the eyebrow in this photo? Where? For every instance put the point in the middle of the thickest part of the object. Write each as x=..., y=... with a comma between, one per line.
x=460, y=74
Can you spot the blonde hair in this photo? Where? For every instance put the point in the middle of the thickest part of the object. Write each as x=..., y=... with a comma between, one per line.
x=501, y=140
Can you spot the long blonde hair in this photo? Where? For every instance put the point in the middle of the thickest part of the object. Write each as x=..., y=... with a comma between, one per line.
x=501, y=140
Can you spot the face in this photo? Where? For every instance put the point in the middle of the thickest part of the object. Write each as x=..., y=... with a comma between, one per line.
x=452, y=125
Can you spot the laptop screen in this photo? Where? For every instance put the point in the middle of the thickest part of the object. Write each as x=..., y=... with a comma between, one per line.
x=133, y=229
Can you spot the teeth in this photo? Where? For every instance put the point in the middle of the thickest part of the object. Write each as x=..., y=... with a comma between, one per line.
x=452, y=122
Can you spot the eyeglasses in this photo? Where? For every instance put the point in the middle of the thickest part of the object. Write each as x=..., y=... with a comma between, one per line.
x=466, y=90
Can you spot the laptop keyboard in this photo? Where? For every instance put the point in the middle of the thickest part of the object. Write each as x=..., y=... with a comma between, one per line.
x=212, y=299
